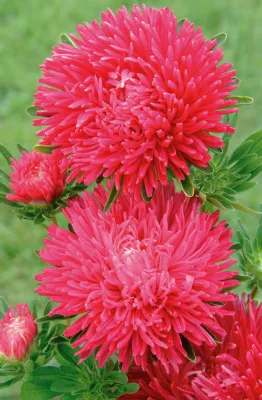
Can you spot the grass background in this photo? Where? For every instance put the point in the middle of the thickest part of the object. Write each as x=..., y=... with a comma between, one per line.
x=29, y=28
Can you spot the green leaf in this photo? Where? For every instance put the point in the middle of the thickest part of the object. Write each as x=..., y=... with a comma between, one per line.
x=63, y=386
x=145, y=196
x=131, y=388
x=21, y=148
x=240, y=151
x=67, y=354
x=242, y=278
x=6, y=154
x=244, y=186
x=220, y=37
x=9, y=382
x=4, y=189
x=4, y=177
x=188, y=348
x=3, y=200
x=45, y=376
x=32, y=110
x=113, y=195
x=209, y=170
x=233, y=121
x=243, y=208
x=187, y=186
x=221, y=202
x=46, y=318
x=259, y=237
x=118, y=377
x=30, y=391
x=58, y=340
x=44, y=149
x=242, y=100
x=5, y=306
x=251, y=166
x=66, y=39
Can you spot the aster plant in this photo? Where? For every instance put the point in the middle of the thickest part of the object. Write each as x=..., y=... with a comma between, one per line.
x=136, y=114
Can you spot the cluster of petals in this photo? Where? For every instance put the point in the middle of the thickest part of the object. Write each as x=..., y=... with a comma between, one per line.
x=142, y=278
x=37, y=178
x=138, y=93
x=17, y=333
x=230, y=371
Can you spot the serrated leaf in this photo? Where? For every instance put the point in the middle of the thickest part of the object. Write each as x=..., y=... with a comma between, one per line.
x=32, y=110
x=188, y=348
x=67, y=40
x=187, y=186
x=242, y=100
x=63, y=386
x=30, y=391
x=220, y=38
x=6, y=154
x=245, y=209
x=44, y=149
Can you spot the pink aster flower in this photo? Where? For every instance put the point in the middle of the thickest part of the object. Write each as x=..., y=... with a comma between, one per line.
x=230, y=371
x=141, y=276
x=36, y=178
x=17, y=333
x=137, y=94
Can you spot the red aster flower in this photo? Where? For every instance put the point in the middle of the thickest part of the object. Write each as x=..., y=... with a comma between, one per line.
x=36, y=178
x=233, y=371
x=136, y=95
x=230, y=371
x=17, y=333
x=142, y=275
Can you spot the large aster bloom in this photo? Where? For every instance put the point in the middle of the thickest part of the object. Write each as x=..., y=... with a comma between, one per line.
x=17, y=333
x=142, y=275
x=230, y=371
x=37, y=178
x=137, y=94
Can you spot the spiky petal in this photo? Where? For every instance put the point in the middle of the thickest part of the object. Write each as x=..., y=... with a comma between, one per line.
x=136, y=95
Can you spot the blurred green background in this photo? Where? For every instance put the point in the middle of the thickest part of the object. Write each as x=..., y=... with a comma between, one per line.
x=29, y=28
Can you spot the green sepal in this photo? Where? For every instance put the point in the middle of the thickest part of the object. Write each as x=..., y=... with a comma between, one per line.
x=144, y=194
x=245, y=209
x=187, y=186
x=220, y=37
x=242, y=100
x=113, y=196
x=179, y=24
x=67, y=40
x=32, y=110
x=188, y=348
x=44, y=149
